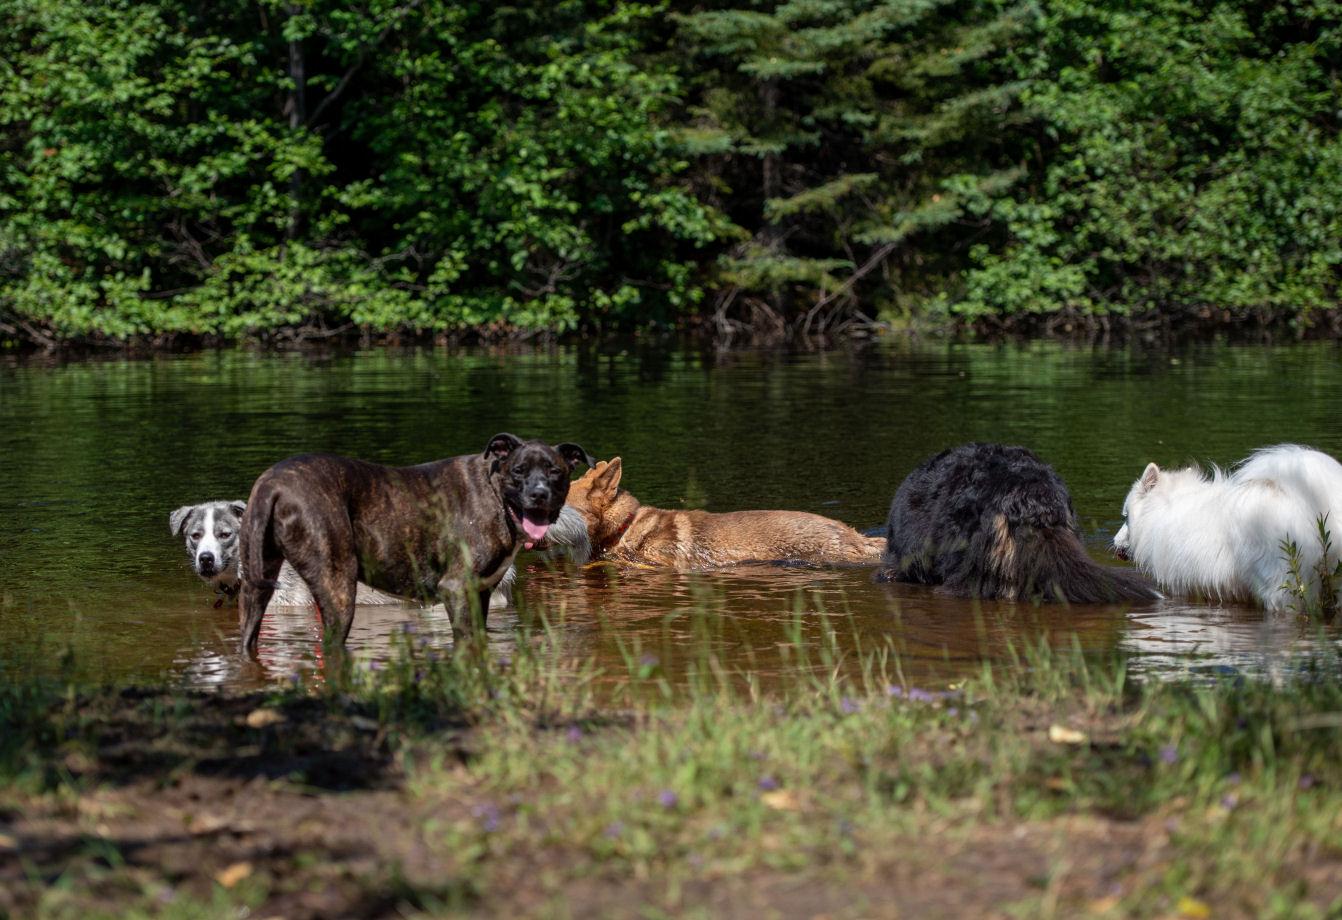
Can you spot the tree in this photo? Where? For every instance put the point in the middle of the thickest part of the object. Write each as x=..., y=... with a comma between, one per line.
x=835, y=133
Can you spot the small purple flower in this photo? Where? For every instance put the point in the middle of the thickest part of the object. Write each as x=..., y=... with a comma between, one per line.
x=1169, y=754
x=408, y=628
x=488, y=815
x=1306, y=781
x=375, y=666
x=649, y=661
x=668, y=798
x=919, y=695
x=894, y=691
x=848, y=706
x=1233, y=778
x=614, y=829
x=1229, y=801
x=768, y=783
x=296, y=677
x=573, y=734
x=504, y=661
x=953, y=711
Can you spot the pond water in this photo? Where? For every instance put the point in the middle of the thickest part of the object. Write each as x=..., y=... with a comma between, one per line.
x=95, y=454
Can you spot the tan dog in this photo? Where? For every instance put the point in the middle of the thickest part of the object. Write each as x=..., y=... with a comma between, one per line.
x=624, y=530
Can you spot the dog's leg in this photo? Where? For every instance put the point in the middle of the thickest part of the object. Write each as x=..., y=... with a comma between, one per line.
x=467, y=608
x=253, y=599
x=333, y=587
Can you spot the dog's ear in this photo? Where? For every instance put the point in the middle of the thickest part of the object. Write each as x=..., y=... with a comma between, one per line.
x=1149, y=477
x=238, y=507
x=177, y=520
x=499, y=447
x=575, y=455
x=607, y=478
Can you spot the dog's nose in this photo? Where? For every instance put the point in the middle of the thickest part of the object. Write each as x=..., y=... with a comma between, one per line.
x=537, y=495
x=205, y=560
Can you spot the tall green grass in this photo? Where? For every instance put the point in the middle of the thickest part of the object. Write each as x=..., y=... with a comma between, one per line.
x=832, y=766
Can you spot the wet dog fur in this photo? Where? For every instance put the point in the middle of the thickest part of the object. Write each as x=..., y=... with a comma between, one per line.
x=444, y=531
x=1220, y=535
x=993, y=521
x=623, y=529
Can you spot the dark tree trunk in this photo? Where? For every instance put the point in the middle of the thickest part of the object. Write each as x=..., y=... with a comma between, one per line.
x=298, y=117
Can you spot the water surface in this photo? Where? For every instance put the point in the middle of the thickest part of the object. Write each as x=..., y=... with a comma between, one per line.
x=95, y=454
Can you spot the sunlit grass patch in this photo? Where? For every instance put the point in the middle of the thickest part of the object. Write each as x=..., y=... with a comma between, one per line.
x=1055, y=777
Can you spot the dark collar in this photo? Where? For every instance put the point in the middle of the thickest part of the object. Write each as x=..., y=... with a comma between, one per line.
x=610, y=542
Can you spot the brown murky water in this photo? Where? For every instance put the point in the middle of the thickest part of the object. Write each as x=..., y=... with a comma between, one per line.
x=93, y=456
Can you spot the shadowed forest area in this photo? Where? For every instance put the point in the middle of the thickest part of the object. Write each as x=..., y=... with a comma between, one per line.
x=174, y=171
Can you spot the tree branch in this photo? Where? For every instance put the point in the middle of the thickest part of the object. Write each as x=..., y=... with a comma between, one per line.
x=339, y=89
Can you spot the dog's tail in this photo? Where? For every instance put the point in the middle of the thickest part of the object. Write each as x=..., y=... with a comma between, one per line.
x=1049, y=563
x=255, y=535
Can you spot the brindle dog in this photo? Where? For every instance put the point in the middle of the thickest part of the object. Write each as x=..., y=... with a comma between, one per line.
x=442, y=531
x=622, y=529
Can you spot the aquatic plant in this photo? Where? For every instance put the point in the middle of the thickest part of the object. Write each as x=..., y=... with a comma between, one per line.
x=1309, y=601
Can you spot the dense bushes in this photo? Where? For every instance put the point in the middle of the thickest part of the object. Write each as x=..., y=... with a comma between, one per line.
x=226, y=168
x=1193, y=163
x=230, y=168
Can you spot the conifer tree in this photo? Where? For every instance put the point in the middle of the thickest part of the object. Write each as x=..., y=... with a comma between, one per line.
x=833, y=131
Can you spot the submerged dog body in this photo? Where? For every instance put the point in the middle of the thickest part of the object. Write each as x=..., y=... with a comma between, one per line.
x=993, y=521
x=623, y=529
x=210, y=530
x=446, y=531
x=1221, y=535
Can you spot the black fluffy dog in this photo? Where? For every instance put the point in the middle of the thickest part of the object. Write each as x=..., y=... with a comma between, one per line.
x=988, y=520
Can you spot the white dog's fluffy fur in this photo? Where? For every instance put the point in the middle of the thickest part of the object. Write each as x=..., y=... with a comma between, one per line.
x=1221, y=535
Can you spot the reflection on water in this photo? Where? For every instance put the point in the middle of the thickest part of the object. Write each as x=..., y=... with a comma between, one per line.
x=754, y=618
x=93, y=456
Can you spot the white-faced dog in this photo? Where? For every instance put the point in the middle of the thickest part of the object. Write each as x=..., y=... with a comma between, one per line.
x=211, y=533
x=1221, y=534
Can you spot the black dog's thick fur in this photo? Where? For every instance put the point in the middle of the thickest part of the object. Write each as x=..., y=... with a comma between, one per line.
x=992, y=521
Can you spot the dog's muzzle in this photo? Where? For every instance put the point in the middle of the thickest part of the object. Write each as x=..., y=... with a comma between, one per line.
x=205, y=564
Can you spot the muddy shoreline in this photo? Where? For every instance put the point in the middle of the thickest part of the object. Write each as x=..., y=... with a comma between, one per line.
x=303, y=805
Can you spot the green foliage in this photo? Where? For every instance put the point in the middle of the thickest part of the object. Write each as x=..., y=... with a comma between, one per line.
x=232, y=168
x=1191, y=163
x=847, y=138
x=173, y=168
x=1315, y=592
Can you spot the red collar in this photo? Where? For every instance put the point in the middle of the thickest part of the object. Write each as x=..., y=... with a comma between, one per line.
x=608, y=544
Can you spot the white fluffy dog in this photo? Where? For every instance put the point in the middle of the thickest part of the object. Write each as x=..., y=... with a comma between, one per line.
x=1221, y=535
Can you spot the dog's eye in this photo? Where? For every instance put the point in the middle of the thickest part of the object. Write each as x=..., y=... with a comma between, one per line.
x=225, y=534
x=197, y=534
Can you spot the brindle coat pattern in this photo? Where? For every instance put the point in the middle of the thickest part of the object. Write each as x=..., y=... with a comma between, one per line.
x=444, y=531
x=625, y=530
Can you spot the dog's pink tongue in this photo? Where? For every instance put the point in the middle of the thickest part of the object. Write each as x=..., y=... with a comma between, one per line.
x=534, y=529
